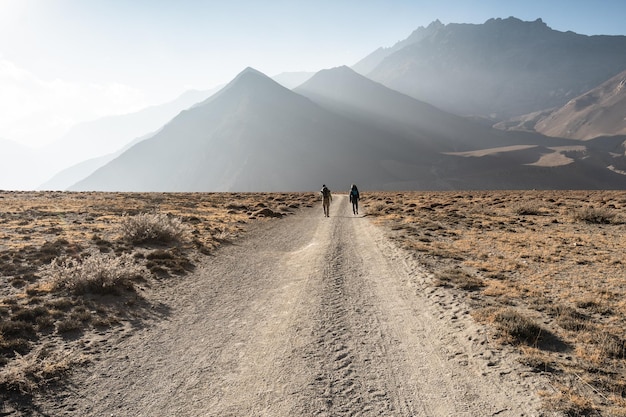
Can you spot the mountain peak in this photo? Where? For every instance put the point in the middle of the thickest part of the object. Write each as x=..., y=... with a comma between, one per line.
x=249, y=81
x=514, y=22
x=249, y=72
x=334, y=78
x=343, y=69
x=435, y=24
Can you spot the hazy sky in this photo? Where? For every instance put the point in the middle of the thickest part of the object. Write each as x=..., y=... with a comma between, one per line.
x=66, y=61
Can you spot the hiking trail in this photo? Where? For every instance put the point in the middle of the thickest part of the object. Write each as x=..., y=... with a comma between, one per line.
x=305, y=316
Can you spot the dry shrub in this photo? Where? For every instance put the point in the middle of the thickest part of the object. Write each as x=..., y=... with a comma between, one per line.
x=98, y=273
x=569, y=318
x=596, y=216
x=69, y=325
x=28, y=373
x=612, y=346
x=29, y=314
x=236, y=206
x=15, y=336
x=154, y=227
x=459, y=279
x=527, y=209
x=517, y=327
x=602, y=308
x=376, y=209
x=164, y=262
x=571, y=404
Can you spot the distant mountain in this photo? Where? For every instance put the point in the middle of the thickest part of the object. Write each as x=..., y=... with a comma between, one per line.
x=502, y=68
x=85, y=147
x=496, y=159
x=70, y=176
x=255, y=135
x=599, y=112
x=109, y=134
x=353, y=95
x=370, y=62
x=292, y=79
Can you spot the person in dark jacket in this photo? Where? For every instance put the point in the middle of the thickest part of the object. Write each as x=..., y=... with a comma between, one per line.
x=326, y=199
x=354, y=199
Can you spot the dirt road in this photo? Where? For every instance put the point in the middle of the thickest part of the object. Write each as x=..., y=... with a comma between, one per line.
x=306, y=316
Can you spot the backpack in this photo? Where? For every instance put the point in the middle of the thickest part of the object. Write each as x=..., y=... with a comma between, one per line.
x=325, y=192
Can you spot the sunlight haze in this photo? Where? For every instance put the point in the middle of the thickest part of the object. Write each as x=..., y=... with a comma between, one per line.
x=68, y=61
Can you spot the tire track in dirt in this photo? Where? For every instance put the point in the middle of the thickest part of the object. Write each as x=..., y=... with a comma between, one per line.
x=307, y=316
x=343, y=384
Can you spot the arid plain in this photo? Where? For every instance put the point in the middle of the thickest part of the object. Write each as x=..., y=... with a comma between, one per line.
x=543, y=271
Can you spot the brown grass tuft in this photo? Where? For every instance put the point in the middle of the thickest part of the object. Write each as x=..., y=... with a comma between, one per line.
x=100, y=241
x=517, y=327
x=153, y=228
x=29, y=373
x=98, y=273
x=567, y=401
x=552, y=261
x=596, y=216
x=458, y=278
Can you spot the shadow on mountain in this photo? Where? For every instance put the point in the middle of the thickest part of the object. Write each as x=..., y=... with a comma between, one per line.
x=339, y=128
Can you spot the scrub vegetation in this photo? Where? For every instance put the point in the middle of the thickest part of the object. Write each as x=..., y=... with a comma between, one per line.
x=544, y=269
x=76, y=268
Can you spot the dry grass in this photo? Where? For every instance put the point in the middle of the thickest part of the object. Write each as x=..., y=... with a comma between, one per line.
x=154, y=228
x=40, y=367
x=75, y=265
x=97, y=273
x=552, y=277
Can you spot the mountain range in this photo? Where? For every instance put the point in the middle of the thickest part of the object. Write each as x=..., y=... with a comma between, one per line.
x=337, y=128
x=398, y=119
x=500, y=69
x=252, y=135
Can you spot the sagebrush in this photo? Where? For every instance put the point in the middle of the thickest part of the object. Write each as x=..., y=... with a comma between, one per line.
x=154, y=227
x=97, y=273
x=28, y=373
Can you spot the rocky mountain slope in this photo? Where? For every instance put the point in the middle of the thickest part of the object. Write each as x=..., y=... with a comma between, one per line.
x=599, y=112
x=500, y=69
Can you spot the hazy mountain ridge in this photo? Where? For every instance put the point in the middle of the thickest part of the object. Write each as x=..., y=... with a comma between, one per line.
x=252, y=135
x=599, y=112
x=439, y=132
x=341, y=127
x=71, y=175
x=370, y=62
x=255, y=135
x=109, y=134
x=72, y=157
x=502, y=68
x=346, y=92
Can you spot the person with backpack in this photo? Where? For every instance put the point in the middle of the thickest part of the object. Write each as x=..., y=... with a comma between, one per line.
x=326, y=199
x=354, y=198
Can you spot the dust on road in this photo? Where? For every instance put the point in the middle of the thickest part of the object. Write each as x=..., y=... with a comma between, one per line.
x=307, y=316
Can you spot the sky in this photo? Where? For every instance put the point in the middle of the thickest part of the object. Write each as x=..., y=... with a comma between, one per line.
x=67, y=61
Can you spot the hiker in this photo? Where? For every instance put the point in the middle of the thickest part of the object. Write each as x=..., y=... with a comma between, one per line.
x=354, y=199
x=326, y=199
